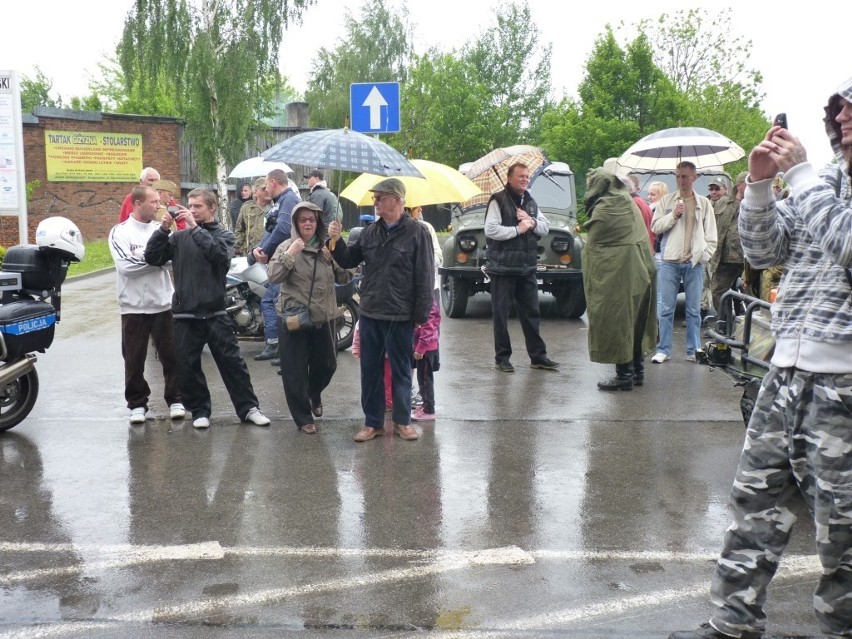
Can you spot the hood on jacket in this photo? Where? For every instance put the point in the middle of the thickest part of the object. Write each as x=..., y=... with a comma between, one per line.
x=832, y=127
x=601, y=183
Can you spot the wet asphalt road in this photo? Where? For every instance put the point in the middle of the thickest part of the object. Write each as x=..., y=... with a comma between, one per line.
x=536, y=505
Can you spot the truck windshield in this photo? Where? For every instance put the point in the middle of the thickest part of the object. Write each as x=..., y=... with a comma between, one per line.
x=554, y=192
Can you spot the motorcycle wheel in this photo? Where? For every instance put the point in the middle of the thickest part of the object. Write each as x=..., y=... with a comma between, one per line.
x=17, y=399
x=345, y=324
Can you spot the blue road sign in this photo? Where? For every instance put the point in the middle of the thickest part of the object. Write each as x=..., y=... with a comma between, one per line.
x=374, y=107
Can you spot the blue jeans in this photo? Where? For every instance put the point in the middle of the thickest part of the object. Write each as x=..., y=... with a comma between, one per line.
x=397, y=340
x=669, y=277
x=270, y=315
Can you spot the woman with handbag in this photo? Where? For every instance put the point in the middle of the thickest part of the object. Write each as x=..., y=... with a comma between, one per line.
x=307, y=306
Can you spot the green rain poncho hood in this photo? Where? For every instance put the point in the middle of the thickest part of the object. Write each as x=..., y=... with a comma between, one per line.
x=619, y=274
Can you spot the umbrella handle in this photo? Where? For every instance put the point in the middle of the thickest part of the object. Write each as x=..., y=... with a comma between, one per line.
x=332, y=243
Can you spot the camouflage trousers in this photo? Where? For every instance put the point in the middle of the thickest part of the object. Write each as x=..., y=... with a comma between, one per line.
x=798, y=445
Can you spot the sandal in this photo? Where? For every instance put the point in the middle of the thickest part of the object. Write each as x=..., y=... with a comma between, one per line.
x=309, y=429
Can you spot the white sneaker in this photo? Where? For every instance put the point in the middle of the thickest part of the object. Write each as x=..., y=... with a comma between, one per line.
x=137, y=415
x=201, y=422
x=659, y=358
x=177, y=411
x=256, y=417
x=690, y=358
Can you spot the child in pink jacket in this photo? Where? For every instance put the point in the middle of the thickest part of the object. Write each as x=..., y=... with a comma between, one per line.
x=426, y=361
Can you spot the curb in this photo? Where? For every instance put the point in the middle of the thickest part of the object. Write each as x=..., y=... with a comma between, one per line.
x=85, y=276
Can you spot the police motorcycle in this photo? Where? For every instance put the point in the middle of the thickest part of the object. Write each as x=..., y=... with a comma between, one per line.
x=31, y=275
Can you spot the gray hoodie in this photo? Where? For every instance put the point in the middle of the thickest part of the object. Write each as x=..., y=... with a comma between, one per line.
x=810, y=234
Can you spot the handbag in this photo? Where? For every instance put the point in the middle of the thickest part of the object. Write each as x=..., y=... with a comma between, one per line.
x=298, y=316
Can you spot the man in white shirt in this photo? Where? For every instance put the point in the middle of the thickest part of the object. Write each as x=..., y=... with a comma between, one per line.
x=145, y=299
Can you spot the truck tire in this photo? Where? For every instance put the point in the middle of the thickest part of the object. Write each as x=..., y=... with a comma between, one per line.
x=454, y=294
x=571, y=301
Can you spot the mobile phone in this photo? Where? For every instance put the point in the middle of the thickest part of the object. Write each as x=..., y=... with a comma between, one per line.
x=173, y=211
x=780, y=120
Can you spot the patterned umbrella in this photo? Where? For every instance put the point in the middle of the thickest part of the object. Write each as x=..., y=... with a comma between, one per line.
x=342, y=149
x=442, y=184
x=665, y=149
x=490, y=171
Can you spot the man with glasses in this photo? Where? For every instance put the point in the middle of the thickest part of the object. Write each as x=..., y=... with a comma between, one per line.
x=688, y=225
x=396, y=294
x=513, y=224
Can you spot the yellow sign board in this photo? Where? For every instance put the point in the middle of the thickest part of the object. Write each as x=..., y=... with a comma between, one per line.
x=86, y=156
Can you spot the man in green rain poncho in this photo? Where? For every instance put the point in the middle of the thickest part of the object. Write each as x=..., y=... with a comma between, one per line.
x=619, y=277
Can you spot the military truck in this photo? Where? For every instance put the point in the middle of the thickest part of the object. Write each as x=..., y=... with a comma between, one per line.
x=559, y=269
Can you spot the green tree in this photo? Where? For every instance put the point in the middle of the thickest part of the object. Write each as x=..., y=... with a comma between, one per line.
x=693, y=56
x=376, y=48
x=442, y=106
x=35, y=92
x=210, y=59
x=514, y=68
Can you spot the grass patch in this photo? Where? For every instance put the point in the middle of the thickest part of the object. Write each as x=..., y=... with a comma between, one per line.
x=97, y=257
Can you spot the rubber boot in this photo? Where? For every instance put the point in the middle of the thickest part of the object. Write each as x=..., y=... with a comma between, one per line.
x=270, y=351
x=638, y=370
x=623, y=379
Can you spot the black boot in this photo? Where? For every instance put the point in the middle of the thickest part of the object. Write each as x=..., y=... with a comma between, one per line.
x=638, y=370
x=623, y=379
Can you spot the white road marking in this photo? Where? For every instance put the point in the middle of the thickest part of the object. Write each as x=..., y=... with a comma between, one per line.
x=436, y=562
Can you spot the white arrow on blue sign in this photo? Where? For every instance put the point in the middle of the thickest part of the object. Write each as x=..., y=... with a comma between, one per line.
x=374, y=107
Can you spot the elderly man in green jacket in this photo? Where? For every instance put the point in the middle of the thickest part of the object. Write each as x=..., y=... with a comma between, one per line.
x=619, y=278
x=726, y=265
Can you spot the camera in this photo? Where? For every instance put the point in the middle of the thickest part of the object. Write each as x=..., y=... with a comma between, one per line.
x=780, y=120
x=173, y=211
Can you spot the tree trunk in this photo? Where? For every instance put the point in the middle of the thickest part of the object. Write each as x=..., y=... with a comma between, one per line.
x=222, y=189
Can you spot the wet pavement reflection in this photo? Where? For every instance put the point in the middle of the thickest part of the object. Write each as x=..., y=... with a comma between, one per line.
x=534, y=506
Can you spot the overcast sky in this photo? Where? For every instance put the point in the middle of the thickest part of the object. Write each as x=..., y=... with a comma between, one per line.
x=795, y=45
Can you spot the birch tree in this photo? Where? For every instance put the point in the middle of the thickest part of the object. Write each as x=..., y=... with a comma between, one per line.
x=212, y=57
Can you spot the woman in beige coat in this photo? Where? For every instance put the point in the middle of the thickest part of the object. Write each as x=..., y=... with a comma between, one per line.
x=306, y=272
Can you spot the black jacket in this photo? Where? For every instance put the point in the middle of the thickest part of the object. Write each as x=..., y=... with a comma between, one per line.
x=399, y=270
x=201, y=257
x=519, y=254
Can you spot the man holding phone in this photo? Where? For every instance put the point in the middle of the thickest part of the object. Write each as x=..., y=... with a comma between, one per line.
x=797, y=443
x=145, y=299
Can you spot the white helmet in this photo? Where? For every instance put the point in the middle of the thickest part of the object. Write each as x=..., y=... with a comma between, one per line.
x=61, y=234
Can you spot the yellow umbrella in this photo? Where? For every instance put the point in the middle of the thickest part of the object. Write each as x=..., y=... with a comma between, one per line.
x=442, y=184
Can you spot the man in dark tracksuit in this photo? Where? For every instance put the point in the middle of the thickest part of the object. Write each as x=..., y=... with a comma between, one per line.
x=396, y=294
x=200, y=257
x=513, y=225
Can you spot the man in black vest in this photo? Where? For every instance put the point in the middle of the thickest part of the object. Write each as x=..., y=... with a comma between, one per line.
x=513, y=225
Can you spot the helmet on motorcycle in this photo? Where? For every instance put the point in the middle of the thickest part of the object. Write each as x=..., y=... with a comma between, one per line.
x=61, y=234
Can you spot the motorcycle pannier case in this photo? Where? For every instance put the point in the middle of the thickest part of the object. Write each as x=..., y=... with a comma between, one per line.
x=40, y=270
x=26, y=326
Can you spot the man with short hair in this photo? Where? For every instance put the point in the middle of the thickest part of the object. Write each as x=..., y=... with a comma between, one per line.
x=726, y=265
x=278, y=225
x=251, y=222
x=145, y=302
x=797, y=443
x=396, y=294
x=513, y=224
x=148, y=176
x=322, y=196
x=688, y=225
x=202, y=256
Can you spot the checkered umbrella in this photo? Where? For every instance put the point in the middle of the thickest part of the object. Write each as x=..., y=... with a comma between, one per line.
x=490, y=171
x=665, y=149
x=342, y=149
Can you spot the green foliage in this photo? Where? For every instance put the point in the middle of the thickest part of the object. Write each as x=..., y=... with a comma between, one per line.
x=376, y=48
x=36, y=92
x=97, y=257
x=31, y=187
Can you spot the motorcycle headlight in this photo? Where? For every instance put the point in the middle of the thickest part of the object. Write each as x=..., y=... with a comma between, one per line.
x=561, y=244
x=467, y=244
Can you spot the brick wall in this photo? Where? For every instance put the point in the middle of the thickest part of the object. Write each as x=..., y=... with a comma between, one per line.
x=93, y=206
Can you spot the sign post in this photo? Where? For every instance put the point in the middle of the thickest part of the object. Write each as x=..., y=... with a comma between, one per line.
x=13, y=186
x=374, y=107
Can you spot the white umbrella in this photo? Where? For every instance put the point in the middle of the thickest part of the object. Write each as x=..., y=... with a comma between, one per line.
x=257, y=167
x=665, y=149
